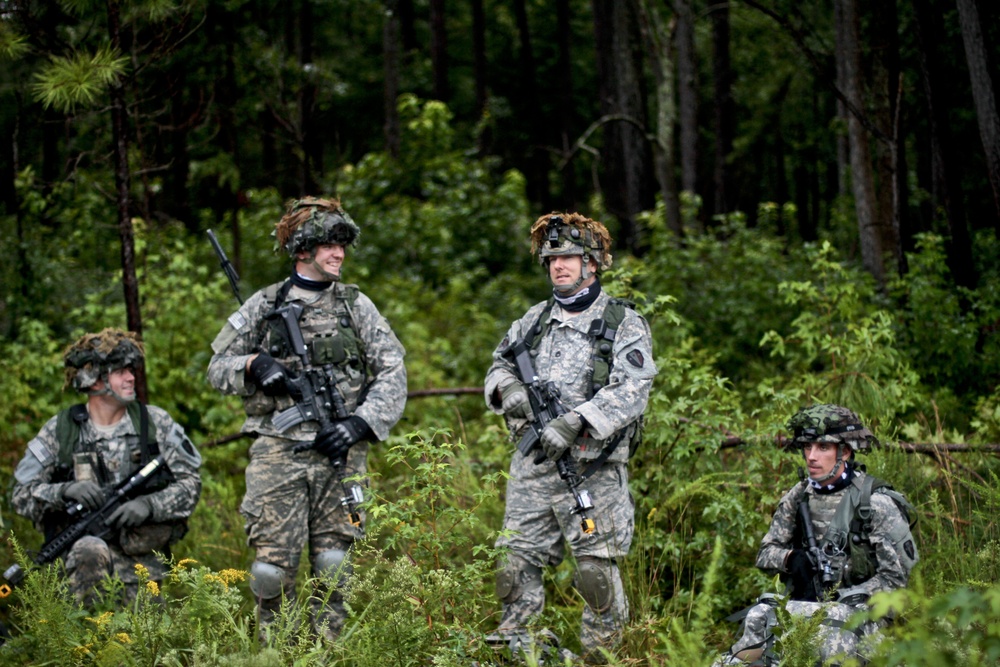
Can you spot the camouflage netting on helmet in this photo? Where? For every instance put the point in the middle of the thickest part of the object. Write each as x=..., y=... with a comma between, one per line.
x=829, y=423
x=571, y=234
x=310, y=222
x=94, y=355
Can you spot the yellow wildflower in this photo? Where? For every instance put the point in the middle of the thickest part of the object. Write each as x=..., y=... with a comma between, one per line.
x=123, y=638
x=153, y=588
x=182, y=563
x=102, y=620
x=141, y=571
x=82, y=650
x=231, y=576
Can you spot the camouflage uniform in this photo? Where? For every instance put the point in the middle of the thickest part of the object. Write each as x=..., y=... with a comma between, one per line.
x=293, y=499
x=91, y=558
x=537, y=513
x=890, y=538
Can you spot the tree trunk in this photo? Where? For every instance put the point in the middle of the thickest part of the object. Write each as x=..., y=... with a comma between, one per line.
x=724, y=113
x=658, y=39
x=884, y=48
x=390, y=64
x=479, y=56
x=625, y=156
x=119, y=132
x=407, y=26
x=439, y=50
x=310, y=147
x=564, y=122
x=983, y=93
x=687, y=96
x=945, y=170
x=537, y=168
x=862, y=182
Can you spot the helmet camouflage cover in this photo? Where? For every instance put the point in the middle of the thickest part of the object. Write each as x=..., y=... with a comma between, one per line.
x=310, y=222
x=94, y=355
x=829, y=423
x=571, y=234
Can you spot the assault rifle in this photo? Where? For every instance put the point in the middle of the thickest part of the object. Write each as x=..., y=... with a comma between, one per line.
x=545, y=406
x=227, y=266
x=827, y=576
x=87, y=524
x=316, y=397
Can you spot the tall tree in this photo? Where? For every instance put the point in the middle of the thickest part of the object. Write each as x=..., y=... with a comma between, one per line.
x=687, y=95
x=983, y=92
x=564, y=121
x=479, y=56
x=862, y=177
x=658, y=38
x=119, y=134
x=439, y=50
x=537, y=165
x=945, y=163
x=390, y=63
x=724, y=113
x=625, y=155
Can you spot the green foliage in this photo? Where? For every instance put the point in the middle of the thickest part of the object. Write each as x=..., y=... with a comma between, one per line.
x=839, y=349
x=78, y=79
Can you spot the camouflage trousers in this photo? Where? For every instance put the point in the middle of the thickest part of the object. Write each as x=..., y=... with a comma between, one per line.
x=835, y=643
x=294, y=501
x=538, y=516
x=90, y=560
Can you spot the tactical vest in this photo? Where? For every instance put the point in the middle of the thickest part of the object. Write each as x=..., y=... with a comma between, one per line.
x=849, y=529
x=337, y=349
x=69, y=424
x=602, y=332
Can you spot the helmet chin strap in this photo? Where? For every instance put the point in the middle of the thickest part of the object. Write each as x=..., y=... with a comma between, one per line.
x=332, y=277
x=566, y=290
x=836, y=465
x=108, y=391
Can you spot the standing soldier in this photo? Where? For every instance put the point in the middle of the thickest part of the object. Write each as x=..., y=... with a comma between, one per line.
x=594, y=353
x=321, y=374
x=836, y=539
x=85, y=451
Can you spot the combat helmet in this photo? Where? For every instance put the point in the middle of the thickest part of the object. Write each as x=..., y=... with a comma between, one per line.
x=312, y=221
x=829, y=423
x=572, y=234
x=95, y=355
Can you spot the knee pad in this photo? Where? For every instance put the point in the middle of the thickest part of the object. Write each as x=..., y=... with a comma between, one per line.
x=330, y=563
x=267, y=581
x=594, y=582
x=516, y=576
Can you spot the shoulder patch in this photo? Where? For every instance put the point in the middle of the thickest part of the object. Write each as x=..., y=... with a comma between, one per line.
x=237, y=321
x=635, y=358
x=39, y=451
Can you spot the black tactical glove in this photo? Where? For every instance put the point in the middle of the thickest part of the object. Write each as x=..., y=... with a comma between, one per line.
x=801, y=575
x=333, y=442
x=130, y=515
x=269, y=375
x=87, y=493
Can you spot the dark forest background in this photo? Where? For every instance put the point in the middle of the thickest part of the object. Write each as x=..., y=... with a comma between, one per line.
x=805, y=201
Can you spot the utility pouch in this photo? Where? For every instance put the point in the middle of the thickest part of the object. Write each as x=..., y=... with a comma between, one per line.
x=328, y=349
x=257, y=404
